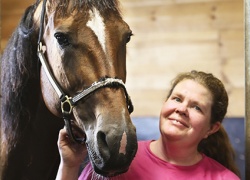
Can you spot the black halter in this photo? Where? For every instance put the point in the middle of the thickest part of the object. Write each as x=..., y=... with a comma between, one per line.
x=68, y=103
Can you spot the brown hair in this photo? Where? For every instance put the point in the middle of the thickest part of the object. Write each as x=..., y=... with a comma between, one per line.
x=217, y=145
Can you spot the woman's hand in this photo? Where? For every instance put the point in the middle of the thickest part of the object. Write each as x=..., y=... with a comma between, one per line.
x=72, y=155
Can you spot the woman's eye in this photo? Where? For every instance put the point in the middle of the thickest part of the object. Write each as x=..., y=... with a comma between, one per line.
x=197, y=108
x=62, y=39
x=177, y=99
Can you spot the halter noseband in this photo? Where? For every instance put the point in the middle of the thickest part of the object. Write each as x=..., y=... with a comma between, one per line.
x=68, y=103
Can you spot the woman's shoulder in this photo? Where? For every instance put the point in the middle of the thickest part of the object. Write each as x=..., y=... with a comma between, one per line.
x=218, y=168
x=143, y=147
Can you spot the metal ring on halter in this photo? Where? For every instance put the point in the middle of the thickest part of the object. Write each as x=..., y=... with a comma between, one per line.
x=67, y=105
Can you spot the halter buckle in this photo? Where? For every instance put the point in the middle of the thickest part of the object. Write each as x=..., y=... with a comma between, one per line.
x=67, y=106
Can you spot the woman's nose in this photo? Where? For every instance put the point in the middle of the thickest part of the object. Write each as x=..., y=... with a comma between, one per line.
x=182, y=110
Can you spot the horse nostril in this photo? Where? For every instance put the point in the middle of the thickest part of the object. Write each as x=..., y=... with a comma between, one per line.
x=103, y=145
x=102, y=138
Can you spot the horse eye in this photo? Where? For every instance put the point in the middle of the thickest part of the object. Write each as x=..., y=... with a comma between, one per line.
x=62, y=39
x=129, y=37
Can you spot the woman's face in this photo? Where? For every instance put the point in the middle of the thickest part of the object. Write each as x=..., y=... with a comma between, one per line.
x=185, y=116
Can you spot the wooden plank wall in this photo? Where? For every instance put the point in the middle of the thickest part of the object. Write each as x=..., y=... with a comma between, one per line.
x=172, y=36
x=182, y=35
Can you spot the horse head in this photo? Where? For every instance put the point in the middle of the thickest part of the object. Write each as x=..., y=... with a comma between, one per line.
x=85, y=42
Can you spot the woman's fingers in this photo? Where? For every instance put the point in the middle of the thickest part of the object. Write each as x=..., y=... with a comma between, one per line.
x=62, y=138
x=77, y=131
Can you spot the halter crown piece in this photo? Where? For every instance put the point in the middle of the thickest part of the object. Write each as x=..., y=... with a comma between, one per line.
x=68, y=103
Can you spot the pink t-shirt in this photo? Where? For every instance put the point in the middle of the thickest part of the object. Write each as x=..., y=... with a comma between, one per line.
x=146, y=166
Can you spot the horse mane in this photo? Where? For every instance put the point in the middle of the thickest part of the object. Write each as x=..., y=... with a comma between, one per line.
x=19, y=80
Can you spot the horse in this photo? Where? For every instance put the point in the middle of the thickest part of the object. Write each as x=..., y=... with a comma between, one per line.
x=65, y=65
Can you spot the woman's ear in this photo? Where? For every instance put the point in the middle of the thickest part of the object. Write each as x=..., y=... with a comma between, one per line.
x=214, y=128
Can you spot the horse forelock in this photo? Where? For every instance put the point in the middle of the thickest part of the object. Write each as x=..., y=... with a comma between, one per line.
x=66, y=7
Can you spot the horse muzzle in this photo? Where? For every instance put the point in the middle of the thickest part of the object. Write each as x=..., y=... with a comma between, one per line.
x=113, y=151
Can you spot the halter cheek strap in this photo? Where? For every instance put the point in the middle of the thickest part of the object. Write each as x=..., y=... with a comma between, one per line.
x=68, y=103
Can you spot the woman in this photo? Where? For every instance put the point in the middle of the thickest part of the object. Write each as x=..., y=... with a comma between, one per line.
x=192, y=144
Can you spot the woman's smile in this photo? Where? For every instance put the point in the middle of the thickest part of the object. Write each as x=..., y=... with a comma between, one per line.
x=180, y=123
